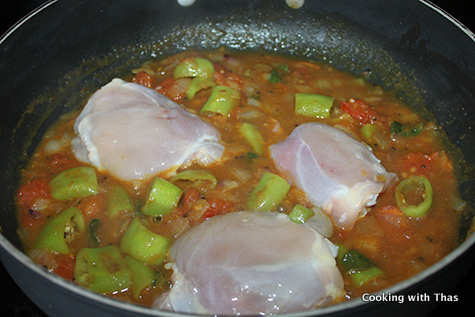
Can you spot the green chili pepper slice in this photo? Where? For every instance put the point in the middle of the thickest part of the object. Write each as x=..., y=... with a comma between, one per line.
x=118, y=201
x=143, y=244
x=162, y=198
x=92, y=232
x=368, y=130
x=414, y=186
x=102, y=270
x=313, y=105
x=142, y=276
x=355, y=261
x=76, y=182
x=253, y=137
x=222, y=100
x=197, y=84
x=360, y=269
x=61, y=230
x=300, y=214
x=362, y=277
x=194, y=67
x=269, y=192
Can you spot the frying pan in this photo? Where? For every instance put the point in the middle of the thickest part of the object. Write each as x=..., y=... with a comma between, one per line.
x=65, y=50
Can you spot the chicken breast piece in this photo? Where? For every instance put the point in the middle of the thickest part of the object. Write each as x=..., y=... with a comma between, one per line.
x=251, y=263
x=337, y=172
x=134, y=133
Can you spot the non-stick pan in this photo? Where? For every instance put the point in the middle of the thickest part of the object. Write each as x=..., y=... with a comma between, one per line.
x=51, y=61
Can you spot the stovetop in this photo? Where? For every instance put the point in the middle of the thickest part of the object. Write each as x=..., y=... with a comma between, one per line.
x=13, y=302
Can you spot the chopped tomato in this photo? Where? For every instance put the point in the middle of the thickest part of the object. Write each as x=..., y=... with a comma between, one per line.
x=65, y=267
x=223, y=78
x=189, y=198
x=27, y=196
x=419, y=163
x=395, y=225
x=34, y=189
x=144, y=79
x=234, y=77
x=390, y=217
x=92, y=206
x=217, y=207
x=60, y=162
x=164, y=86
x=360, y=111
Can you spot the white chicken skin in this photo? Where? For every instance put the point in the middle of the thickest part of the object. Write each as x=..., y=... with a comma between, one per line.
x=251, y=263
x=134, y=133
x=337, y=172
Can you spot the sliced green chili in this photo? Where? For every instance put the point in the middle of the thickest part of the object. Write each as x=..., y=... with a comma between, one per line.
x=196, y=177
x=194, y=67
x=222, y=100
x=61, y=230
x=313, y=105
x=162, y=198
x=341, y=252
x=360, y=269
x=406, y=130
x=118, y=201
x=92, y=232
x=253, y=137
x=368, y=130
x=355, y=261
x=360, y=278
x=198, y=84
x=73, y=183
x=143, y=244
x=102, y=270
x=142, y=276
x=420, y=189
x=269, y=192
x=300, y=214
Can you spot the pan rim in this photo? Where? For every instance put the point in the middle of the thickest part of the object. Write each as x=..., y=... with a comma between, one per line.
x=22, y=258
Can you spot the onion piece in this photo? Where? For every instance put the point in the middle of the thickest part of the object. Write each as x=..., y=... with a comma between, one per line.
x=321, y=222
x=253, y=102
x=250, y=114
x=43, y=258
x=242, y=175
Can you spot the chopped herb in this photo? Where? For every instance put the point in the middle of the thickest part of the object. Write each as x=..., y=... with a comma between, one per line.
x=406, y=130
x=251, y=155
x=275, y=75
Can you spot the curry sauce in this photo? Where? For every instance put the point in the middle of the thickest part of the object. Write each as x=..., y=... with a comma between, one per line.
x=406, y=144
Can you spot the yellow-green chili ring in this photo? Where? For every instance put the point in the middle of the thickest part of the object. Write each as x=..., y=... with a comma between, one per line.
x=222, y=100
x=300, y=214
x=410, y=184
x=196, y=177
x=194, y=67
x=253, y=137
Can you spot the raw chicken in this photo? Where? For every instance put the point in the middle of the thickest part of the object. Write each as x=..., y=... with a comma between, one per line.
x=251, y=262
x=134, y=133
x=338, y=173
